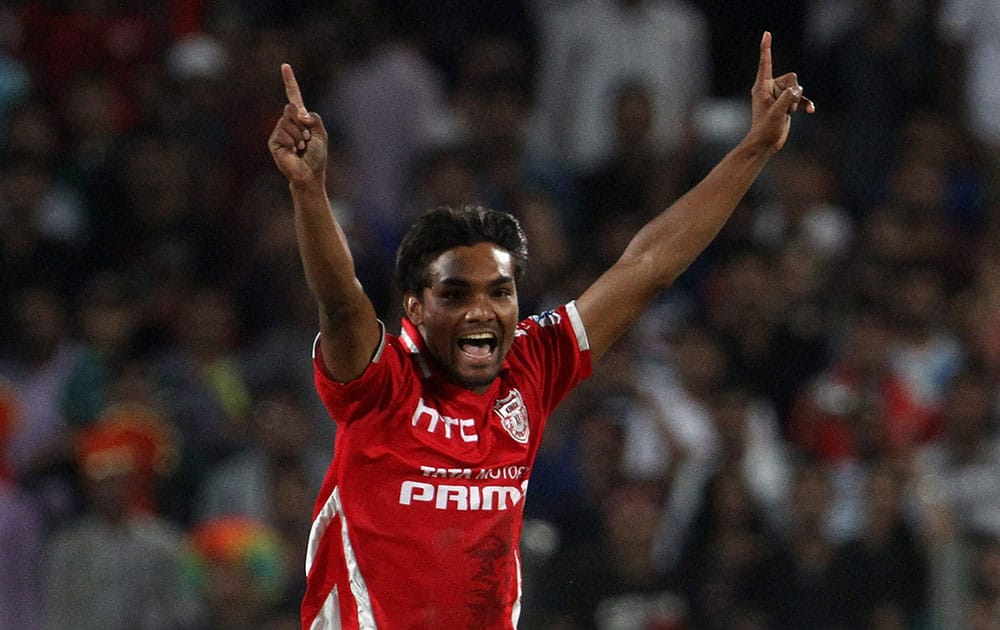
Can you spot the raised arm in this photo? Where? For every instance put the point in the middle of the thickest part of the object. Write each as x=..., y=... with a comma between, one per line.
x=665, y=246
x=347, y=321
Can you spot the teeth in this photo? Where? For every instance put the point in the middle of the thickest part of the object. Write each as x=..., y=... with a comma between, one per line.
x=479, y=336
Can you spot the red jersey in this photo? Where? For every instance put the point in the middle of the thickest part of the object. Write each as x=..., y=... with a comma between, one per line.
x=418, y=522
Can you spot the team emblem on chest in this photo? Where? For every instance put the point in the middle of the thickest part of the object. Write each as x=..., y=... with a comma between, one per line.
x=513, y=416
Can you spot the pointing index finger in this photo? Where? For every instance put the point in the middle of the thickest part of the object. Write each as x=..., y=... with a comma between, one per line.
x=292, y=88
x=764, y=68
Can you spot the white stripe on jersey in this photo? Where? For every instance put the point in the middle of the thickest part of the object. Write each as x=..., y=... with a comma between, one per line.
x=333, y=508
x=581, y=333
x=328, y=617
x=516, y=608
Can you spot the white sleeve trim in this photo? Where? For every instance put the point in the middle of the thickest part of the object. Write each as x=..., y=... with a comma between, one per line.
x=581, y=333
x=378, y=351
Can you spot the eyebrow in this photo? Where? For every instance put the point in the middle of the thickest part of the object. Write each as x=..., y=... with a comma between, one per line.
x=461, y=282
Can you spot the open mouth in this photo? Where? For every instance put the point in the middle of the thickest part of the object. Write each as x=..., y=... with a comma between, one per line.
x=478, y=345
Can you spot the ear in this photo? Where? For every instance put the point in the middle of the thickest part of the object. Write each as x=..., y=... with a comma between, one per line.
x=413, y=308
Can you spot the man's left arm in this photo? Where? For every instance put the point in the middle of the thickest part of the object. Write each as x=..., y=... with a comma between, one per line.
x=668, y=244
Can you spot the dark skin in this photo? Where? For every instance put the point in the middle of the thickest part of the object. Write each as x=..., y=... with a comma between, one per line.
x=655, y=257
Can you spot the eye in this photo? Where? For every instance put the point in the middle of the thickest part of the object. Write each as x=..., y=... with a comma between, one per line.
x=503, y=292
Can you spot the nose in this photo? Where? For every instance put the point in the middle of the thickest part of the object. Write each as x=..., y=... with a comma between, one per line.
x=480, y=309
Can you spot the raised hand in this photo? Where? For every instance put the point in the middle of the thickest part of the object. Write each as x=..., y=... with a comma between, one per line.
x=298, y=143
x=773, y=100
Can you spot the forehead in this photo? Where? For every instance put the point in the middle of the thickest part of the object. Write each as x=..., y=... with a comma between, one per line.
x=480, y=262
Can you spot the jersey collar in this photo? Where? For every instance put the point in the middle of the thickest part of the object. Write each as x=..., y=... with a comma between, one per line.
x=414, y=343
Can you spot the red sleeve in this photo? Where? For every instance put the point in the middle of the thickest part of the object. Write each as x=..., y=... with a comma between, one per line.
x=368, y=394
x=552, y=348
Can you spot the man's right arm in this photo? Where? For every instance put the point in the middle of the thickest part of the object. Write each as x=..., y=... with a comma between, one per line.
x=349, y=328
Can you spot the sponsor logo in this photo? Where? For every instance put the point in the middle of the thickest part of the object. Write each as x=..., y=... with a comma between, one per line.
x=505, y=472
x=436, y=422
x=487, y=474
x=513, y=416
x=446, y=473
x=460, y=498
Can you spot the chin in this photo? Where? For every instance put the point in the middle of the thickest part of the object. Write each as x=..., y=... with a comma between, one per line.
x=478, y=379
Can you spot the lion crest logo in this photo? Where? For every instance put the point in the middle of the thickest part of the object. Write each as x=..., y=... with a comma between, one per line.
x=513, y=416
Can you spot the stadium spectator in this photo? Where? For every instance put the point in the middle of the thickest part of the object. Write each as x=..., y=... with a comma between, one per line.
x=119, y=565
x=589, y=49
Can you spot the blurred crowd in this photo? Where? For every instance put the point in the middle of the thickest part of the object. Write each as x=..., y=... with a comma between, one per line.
x=803, y=433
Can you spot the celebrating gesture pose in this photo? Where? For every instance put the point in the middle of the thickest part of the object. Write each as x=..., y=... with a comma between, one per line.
x=418, y=522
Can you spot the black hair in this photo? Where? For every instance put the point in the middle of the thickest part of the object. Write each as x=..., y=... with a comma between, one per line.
x=446, y=227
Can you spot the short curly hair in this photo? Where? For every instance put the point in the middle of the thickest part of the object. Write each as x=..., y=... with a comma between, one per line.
x=446, y=227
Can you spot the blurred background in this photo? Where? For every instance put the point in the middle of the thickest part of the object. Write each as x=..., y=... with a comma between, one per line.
x=802, y=433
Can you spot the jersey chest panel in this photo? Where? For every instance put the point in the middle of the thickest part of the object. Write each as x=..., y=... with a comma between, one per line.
x=434, y=498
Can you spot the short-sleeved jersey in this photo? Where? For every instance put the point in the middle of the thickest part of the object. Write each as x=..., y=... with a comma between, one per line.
x=418, y=522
